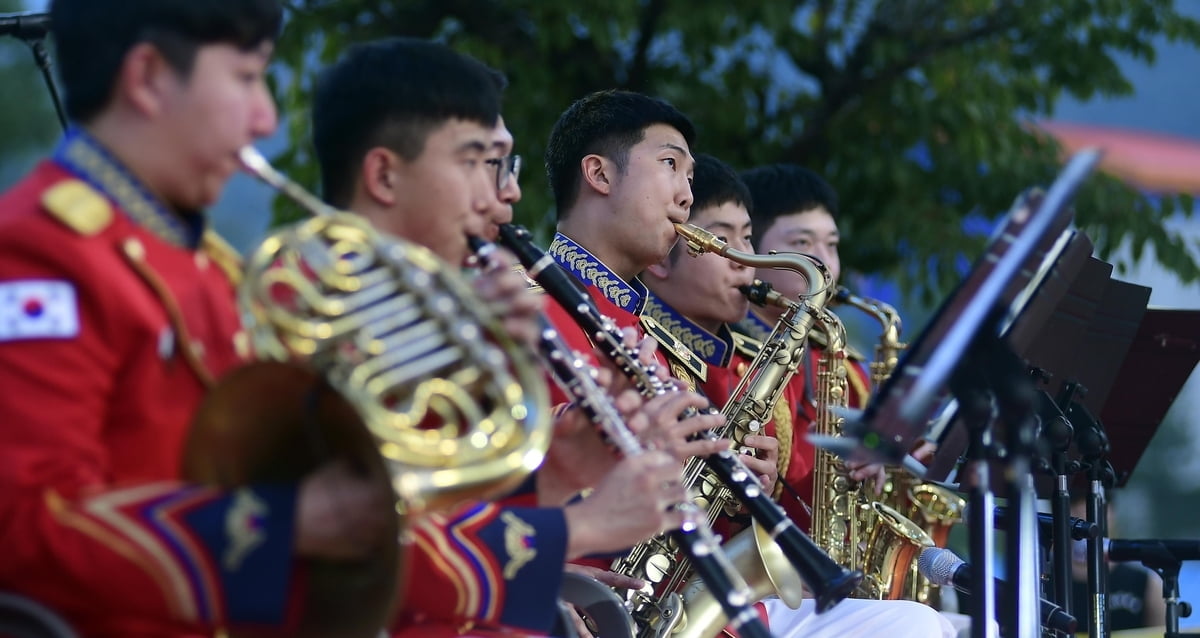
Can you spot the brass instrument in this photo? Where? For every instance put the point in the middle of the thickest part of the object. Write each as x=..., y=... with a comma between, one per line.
x=867, y=534
x=369, y=341
x=933, y=507
x=763, y=563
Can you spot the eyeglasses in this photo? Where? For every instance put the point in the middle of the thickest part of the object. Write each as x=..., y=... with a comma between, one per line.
x=507, y=168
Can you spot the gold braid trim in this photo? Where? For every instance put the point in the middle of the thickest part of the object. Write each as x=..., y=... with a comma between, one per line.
x=782, y=416
x=135, y=255
x=857, y=382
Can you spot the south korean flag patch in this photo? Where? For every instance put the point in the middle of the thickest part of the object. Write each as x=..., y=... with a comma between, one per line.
x=38, y=309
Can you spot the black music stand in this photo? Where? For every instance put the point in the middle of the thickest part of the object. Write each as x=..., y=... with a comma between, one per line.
x=962, y=350
x=1163, y=355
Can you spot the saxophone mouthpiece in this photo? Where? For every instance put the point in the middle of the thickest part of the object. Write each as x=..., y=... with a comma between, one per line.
x=699, y=240
x=760, y=293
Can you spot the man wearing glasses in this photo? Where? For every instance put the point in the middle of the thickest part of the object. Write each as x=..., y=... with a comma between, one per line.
x=407, y=134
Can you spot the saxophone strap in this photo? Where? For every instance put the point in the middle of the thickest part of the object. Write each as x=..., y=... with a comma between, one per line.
x=857, y=383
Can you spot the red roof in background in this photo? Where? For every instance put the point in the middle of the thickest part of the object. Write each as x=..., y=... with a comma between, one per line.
x=1150, y=161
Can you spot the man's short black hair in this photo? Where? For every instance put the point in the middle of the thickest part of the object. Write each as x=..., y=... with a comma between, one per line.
x=606, y=123
x=394, y=93
x=786, y=189
x=92, y=37
x=715, y=183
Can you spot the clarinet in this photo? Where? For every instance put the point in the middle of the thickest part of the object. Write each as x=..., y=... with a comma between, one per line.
x=694, y=537
x=829, y=582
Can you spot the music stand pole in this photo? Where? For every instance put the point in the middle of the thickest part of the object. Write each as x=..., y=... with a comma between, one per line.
x=1093, y=447
x=975, y=412
x=1015, y=395
x=1058, y=432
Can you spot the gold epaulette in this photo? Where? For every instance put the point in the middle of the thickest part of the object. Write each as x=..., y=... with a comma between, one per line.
x=225, y=256
x=746, y=346
x=675, y=349
x=820, y=339
x=78, y=206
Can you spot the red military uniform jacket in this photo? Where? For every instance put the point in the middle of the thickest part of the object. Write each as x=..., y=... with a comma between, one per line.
x=727, y=356
x=115, y=316
x=614, y=297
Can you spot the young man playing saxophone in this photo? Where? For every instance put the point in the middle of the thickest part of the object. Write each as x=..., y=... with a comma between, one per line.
x=408, y=135
x=698, y=299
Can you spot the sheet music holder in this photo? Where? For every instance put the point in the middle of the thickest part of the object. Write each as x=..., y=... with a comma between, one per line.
x=897, y=417
x=1083, y=339
x=1164, y=353
x=1050, y=325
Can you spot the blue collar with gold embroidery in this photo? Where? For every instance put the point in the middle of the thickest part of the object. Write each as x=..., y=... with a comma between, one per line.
x=715, y=349
x=84, y=156
x=629, y=296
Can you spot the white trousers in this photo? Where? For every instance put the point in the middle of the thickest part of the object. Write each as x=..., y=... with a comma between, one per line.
x=853, y=617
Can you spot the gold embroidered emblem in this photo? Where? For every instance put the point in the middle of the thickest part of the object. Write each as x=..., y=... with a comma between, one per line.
x=243, y=527
x=517, y=542
x=79, y=206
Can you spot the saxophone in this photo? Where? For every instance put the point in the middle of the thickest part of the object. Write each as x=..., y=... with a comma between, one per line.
x=768, y=556
x=933, y=507
x=782, y=548
x=762, y=562
x=854, y=530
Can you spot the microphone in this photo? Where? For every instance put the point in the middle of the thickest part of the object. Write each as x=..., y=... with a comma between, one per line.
x=1081, y=529
x=943, y=567
x=1153, y=552
x=25, y=25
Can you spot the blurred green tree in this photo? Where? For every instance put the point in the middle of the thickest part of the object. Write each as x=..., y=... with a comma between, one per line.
x=918, y=111
x=27, y=120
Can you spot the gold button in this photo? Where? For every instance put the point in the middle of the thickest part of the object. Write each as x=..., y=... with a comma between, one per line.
x=241, y=344
x=198, y=348
x=134, y=249
x=202, y=261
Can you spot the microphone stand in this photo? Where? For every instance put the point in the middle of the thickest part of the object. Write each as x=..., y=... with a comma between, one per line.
x=975, y=411
x=1176, y=608
x=1093, y=446
x=32, y=29
x=42, y=59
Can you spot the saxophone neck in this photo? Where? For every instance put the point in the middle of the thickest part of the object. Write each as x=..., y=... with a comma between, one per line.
x=820, y=282
x=884, y=313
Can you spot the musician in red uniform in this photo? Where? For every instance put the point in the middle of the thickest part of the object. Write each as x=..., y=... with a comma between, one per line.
x=408, y=134
x=795, y=210
x=697, y=299
x=117, y=313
